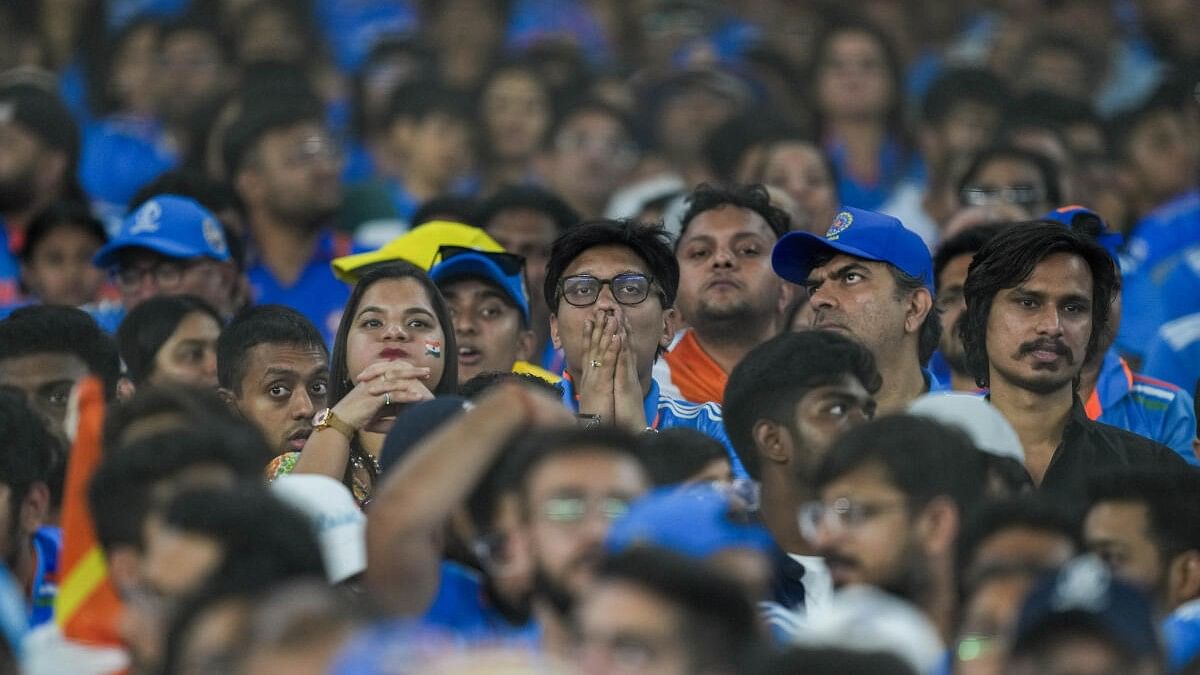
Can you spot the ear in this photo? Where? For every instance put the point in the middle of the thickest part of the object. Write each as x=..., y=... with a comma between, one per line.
x=772, y=441
x=35, y=507
x=938, y=527
x=125, y=389
x=920, y=304
x=124, y=566
x=526, y=343
x=228, y=397
x=1183, y=577
x=248, y=184
x=554, y=336
x=787, y=293
x=668, y=328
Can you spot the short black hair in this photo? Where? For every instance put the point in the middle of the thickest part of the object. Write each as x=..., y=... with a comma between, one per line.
x=179, y=404
x=752, y=197
x=648, y=242
x=966, y=242
x=456, y=208
x=124, y=488
x=1026, y=512
x=1172, y=510
x=727, y=144
x=149, y=325
x=528, y=453
x=1010, y=258
x=924, y=459
x=962, y=85
x=260, y=118
x=55, y=329
x=62, y=214
x=263, y=324
x=1044, y=165
x=1123, y=126
x=770, y=380
x=529, y=197
x=591, y=105
x=674, y=455
x=718, y=628
x=416, y=101
x=475, y=387
x=30, y=453
x=832, y=661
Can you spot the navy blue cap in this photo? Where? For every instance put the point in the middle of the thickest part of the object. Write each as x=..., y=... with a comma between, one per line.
x=696, y=521
x=1074, y=217
x=175, y=226
x=862, y=234
x=1085, y=593
x=414, y=423
x=479, y=265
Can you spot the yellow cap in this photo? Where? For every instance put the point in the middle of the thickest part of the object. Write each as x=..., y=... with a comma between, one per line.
x=418, y=246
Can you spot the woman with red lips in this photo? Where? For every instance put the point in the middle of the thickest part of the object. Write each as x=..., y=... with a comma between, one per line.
x=394, y=346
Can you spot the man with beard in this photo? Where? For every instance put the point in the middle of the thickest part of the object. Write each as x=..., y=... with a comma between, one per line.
x=39, y=149
x=285, y=166
x=273, y=369
x=894, y=494
x=1038, y=300
x=871, y=278
x=727, y=291
x=950, y=265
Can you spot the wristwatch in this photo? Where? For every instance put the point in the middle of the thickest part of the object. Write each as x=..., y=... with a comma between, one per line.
x=325, y=419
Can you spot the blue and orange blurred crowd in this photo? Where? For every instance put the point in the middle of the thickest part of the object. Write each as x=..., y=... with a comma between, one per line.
x=612, y=337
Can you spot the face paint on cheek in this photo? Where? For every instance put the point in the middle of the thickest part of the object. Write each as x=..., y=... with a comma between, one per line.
x=433, y=348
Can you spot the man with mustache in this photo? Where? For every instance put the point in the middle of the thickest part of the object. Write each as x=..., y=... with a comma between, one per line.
x=273, y=370
x=1038, y=300
x=727, y=291
x=871, y=278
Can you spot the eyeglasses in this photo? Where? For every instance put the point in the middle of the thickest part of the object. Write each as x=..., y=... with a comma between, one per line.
x=166, y=274
x=617, y=150
x=571, y=510
x=312, y=149
x=840, y=516
x=583, y=290
x=509, y=263
x=1021, y=195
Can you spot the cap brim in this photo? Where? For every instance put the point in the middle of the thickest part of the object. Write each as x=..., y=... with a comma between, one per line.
x=107, y=256
x=478, y=265
x=793, y=255
x=349, y=268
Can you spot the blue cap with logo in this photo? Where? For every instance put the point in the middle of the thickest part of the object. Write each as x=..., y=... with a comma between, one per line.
x=1083, y=219
x=862, y=234
x=695, y=521
x=483, y=265
x=174, y=226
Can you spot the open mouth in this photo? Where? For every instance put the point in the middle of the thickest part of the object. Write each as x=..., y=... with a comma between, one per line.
x=393, y=354
x=297, y=440
x=469, y=356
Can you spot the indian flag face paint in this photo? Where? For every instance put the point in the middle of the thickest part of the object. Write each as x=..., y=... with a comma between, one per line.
x=433, y=348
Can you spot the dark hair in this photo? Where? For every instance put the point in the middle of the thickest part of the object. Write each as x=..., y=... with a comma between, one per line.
x=718, y=627
x=1010, y=258
x=159, y=404
x=475, y=387
x=674, y=455
x=1172, y=512
x=922, y=458
x=529, y=197
x=962, y=85
x=1028, y=512
x=1047, y=110
x=1122, y=127
x=537, y=447
x=417, y=101
x=1093, y=57
x=60, y=215
x=197, y=22
x=264, y=324
x=648, y=242
x=588, y=106
x=832, y=661
x=728, y=143
x=752, y=197
x=966, y=242
x=54, y=329
x=769, y=382
x=892, y=61
x=99, y=70
x=30, y=454
x=1044, y=165
x=363, y=122
x=260, y=118
x=518, y=67
x=144, y=330
x=456, y=207
x=131, y=476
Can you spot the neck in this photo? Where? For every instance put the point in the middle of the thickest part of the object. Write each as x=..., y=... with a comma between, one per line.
x=23, y=568
x=940, y=604
x=285, y=248
x=421, y=187
x=1039, y=420
x=728, y=342
x=556, y=637
x=903, y=379
x=1089, y=376
x=780, y=500
x=962, y=381
x=858, y=132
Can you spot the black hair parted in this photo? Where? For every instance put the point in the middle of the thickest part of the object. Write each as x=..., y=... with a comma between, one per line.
x=674, y=455
x=262, y=324
x=1007, y=260
x=769, y=382
x=55, y=329
x=63, y=214
x=416, y=101
x=529, y=452
x=148, y=326
x=752, y=197
x=648, y=242
x=260, y=118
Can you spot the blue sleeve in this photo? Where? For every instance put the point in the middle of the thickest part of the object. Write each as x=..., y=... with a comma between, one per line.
x=716, y=429
x=1179, y=427
x=1166, y=364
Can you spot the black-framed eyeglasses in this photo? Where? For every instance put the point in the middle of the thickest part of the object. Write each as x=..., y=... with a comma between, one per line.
x=583, y=290
x=509, y=263
x=166, y=273
x=980, y=195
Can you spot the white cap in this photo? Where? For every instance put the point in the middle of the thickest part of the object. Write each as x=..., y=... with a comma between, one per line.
x=340, y=525
x=987, y=427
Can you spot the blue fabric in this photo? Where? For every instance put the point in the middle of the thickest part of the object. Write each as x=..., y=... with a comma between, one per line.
x=1174, y=355
x=10, y=270
x=47, y=543
x=461, y=607
x=1183, y=280
x=107, y=313
x=1181, y=634
x=862, y=195
x=671, y=412
x=403, y=201
x=316, y=294
x=1148, y=407
x=939, y=367
x=933, y=383
x=119, y=156
x=531, y=21
x=353, y=27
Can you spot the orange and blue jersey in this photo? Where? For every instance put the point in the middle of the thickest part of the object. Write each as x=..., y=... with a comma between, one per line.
x=47, y=544
x=316, y=293
x=1144, y=405
x=687, y=372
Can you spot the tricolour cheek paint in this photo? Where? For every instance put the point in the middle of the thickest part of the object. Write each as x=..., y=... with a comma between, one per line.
x=433, y=348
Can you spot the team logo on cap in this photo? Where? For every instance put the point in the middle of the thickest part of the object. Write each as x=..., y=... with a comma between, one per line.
x=214, y=236
x=146, y=218
x=841, y=221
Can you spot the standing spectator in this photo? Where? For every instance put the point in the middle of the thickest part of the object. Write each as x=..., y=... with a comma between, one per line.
x=516, y=109
x=591, y=151
x=56, y=260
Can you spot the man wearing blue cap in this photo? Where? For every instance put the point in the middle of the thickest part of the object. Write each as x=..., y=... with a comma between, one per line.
x=171, y=245
x=872, y=278
x=490, y=310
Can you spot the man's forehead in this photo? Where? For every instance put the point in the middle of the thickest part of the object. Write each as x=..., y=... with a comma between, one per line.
x=869, y=478
x=463, y=288
x=846, y=384
x=42, y=367
x=285, y=356
x=727, y=220
x=840, y=261
x=607, y=258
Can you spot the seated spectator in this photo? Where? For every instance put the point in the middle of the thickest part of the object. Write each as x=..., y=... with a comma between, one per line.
x=685, y=456
x=56, y=260
x=1007, y=175
x=171, y=338
x=590, y=152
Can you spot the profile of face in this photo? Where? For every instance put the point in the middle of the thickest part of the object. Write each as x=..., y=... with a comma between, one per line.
x=1038, y=330
x=189, y=356
x=853, y=80
x=294, y=175
x=282, y=388
x=516, y=115
x=1119, y=533
x=649, y=323
x=530, y=234
x=858, y=298
x=952, y=304
x=989, y=617
x=725, y=268
x=625, y=629
x=46, y=381
x=592, y=156
x=1009, y=181
x=822, y=415
x=572, y=500
x=487, y=327
x=60, y=270
x=800, y=170
x=142, y=274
